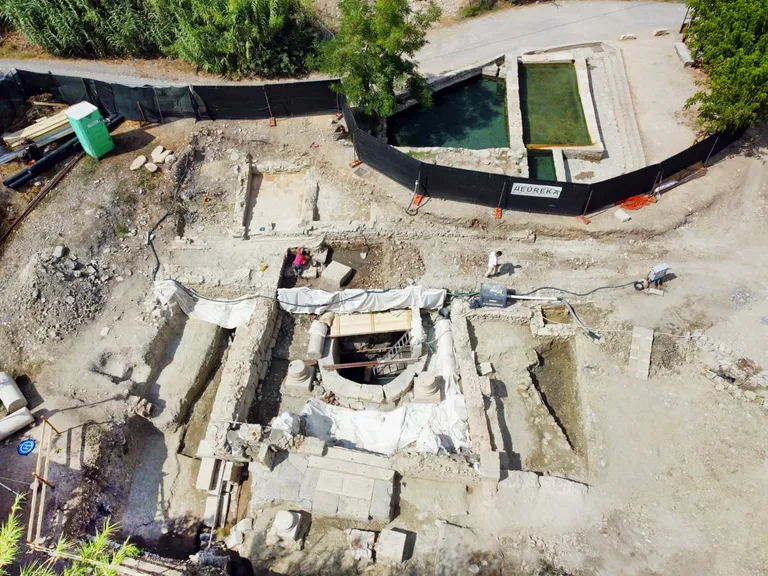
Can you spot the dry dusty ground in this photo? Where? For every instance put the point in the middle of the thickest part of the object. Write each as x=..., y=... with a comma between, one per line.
x=676, y=467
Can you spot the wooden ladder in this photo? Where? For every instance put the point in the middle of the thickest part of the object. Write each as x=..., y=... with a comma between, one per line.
x=392, y=354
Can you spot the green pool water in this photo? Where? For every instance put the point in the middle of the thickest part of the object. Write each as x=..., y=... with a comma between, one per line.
x=541, y=165
x=551, y=107
x=471, y=115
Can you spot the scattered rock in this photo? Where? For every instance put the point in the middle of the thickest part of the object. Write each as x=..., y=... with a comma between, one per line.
x=628, y=37
x=139, y=162
x=661, y=32
x=151, y=166
x=156, y=154
x=170, y=159
x=59, y=251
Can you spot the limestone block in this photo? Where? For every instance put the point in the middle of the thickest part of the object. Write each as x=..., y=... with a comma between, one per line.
x=684, y=54
x=490, y=465
x=325, y=503
x=371, y=393
x=381, y=501
x=312, y=446
x=354, y=508
x=628, y=37
x=207, y=474
x=358, y=457
x=336, y=275
x=661, y=32
x=391, y=546
x=398, y=387
x=354, y=468
x=484, y=368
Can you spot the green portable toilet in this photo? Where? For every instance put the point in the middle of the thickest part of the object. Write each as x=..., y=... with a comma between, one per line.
x=90, y=129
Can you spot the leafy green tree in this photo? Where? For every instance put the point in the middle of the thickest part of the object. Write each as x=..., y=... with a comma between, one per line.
x=92, y=556
x=373, y=53
x=731, y=37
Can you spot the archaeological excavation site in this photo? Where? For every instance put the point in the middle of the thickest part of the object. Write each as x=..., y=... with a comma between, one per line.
x=250, y=329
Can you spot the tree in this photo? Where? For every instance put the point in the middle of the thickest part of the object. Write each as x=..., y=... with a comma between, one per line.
x=92, y=556
x=731, y=38
x=373, y=53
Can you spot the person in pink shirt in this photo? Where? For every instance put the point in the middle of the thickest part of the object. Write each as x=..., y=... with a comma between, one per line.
x=299, y=262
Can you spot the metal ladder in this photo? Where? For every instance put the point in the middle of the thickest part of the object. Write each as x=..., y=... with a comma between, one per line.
x=392, y=354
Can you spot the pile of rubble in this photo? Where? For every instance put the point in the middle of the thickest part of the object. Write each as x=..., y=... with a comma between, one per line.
x=65, y=292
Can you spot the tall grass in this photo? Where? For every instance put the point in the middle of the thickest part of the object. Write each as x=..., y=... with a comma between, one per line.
x=231, y=37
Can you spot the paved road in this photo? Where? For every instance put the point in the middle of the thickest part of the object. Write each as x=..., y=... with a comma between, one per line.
x=449, y=47
x=529, y=27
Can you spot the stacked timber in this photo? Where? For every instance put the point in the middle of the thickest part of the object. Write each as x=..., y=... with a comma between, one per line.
x=42, y=132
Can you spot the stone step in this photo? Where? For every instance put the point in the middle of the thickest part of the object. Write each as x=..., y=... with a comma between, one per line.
x=619, y=112
x=626, y=120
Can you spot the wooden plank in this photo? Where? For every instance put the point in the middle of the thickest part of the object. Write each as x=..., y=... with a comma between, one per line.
x=640, y=352
x=370, y=323
x=37, y=129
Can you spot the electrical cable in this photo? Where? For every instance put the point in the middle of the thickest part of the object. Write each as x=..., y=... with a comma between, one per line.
x=616, y=287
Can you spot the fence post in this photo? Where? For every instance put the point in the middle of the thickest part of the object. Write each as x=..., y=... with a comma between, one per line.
x=193, y=103
x=589, y=199
x=159, y=112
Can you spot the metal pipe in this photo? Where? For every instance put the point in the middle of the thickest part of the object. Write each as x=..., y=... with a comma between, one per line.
x=542, y=298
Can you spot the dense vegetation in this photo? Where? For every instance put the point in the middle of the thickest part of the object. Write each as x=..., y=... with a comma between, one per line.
x=731, y=38
x=373, y=53
x=231, y=37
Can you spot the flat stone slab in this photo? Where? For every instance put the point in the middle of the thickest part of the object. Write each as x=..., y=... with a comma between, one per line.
x=640, y=352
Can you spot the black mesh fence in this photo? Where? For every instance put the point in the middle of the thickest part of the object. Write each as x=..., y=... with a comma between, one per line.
x=620, y=188
x=388, y=160
x=136, y=102
x=175, y=101
x=506, y=192
x=215, y=102
x=12, y=100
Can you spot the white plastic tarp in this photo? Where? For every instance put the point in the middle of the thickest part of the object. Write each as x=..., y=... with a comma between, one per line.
x=225, y=313
x=429, y=427
x=309, y=301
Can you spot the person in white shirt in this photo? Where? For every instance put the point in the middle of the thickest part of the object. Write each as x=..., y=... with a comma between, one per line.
x=493, y=264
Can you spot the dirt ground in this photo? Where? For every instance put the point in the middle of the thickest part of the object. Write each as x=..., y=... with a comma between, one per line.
x=675, y=466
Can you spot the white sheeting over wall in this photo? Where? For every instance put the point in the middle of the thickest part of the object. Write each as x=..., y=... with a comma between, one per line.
x=429, y=427
x=225, y=313
x=309, y=301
